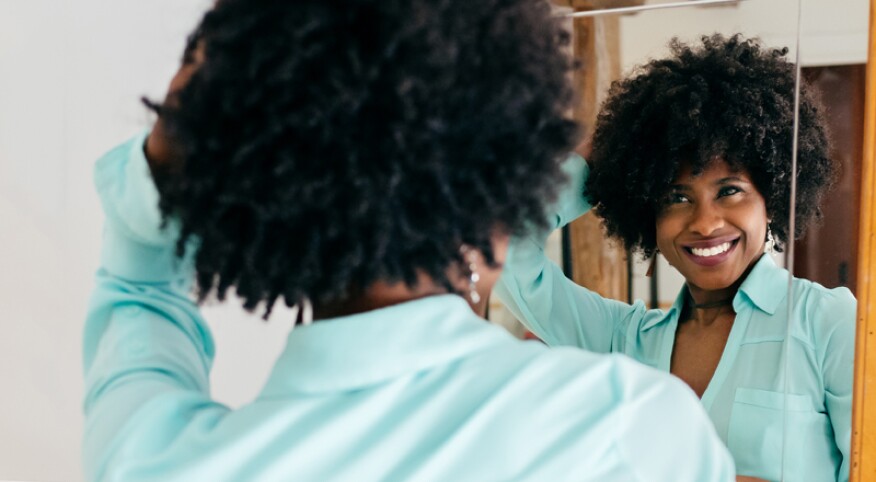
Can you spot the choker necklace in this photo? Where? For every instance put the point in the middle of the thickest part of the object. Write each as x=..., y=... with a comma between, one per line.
x=713, y=304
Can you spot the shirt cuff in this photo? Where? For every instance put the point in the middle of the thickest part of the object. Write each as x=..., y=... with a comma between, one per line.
x=572, y=202
x=137, y=245
x=129, y=197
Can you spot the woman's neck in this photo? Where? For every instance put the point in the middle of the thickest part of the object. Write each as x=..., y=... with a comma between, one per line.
x=704, y=307
x=705, y=314
x=699, y=298
x=378, y=295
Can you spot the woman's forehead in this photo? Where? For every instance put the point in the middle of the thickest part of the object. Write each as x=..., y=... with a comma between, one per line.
x=714, y=170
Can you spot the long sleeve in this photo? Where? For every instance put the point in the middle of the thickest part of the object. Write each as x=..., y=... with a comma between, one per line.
x=147, y=351
x=836, y=352
x=358, y=398
x=539, y=294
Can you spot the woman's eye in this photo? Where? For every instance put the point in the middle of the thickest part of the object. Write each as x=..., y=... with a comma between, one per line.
x=728, y=191
x=676, y=198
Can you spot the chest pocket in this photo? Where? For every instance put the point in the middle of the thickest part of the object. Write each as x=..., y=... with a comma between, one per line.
x=755, y=437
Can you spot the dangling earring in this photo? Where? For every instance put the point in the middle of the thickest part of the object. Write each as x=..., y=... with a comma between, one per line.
x=471, y=257
x=653, y=263
x=306, y=309
x=770, y=244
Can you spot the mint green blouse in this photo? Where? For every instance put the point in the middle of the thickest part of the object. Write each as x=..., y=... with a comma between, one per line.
x=423, y=390
x=746, y=398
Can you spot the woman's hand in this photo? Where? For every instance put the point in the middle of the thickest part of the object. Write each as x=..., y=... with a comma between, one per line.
x=585, y=148
x=159, y=148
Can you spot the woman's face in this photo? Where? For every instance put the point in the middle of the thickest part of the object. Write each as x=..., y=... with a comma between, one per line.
x=713, y=226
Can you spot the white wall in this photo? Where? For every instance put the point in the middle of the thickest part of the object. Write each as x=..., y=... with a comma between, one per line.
x=71, y=74
x=832, y=32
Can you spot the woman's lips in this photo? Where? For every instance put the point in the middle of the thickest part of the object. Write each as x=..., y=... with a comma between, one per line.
x=711, y=253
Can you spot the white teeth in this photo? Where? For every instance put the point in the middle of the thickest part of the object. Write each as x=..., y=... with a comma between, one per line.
x=713, y=251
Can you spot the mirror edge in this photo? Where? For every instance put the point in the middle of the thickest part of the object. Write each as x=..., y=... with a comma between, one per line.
x=863, y=467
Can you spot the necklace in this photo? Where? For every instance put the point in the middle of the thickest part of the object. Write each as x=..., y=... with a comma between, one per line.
x=712, y=304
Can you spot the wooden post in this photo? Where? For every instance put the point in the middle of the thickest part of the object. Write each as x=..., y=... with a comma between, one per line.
x=597, y=263
x=863, y=463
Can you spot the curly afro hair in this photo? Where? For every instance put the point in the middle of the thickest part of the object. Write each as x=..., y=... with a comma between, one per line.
x=729, y=99
x=330, y=144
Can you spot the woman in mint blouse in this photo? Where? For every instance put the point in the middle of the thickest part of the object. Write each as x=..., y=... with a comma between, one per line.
x=329, y=154
x=692, y=158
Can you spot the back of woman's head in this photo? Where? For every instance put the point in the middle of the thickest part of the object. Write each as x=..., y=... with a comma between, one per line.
x=330, y=144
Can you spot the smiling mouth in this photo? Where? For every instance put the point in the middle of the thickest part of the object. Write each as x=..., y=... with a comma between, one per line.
x=713, y=251
x=711, y=255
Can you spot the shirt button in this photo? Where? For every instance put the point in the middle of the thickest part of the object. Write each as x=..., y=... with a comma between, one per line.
x=132, y=311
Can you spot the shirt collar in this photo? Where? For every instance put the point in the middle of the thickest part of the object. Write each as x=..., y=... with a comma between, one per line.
x=364, y=349
x=766, y=287
x=674, y=311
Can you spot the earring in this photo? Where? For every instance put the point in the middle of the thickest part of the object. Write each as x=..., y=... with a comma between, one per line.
x=471, y=257
x=306, y=309
x=770, y=244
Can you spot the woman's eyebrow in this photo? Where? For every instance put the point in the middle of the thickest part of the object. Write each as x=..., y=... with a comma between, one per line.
x=725, y=180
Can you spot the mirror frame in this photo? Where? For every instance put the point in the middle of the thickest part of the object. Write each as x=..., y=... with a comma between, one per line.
x=863, y=467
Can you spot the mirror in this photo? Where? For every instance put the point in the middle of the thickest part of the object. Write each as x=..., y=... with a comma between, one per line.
x=72, y=77
x=779, y=394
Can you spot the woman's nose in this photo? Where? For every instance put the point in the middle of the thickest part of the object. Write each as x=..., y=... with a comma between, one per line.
x=706, y=220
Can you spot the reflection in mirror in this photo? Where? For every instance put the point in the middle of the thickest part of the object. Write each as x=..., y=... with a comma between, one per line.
x=691, y=162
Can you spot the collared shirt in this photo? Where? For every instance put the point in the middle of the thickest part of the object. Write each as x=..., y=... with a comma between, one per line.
x=423, y=390
x=764, y=379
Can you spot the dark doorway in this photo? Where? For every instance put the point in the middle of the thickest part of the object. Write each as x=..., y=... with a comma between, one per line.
x=828, y=254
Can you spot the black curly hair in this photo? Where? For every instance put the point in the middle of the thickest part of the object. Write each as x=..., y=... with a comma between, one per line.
x=331, y=144
x=730, y=98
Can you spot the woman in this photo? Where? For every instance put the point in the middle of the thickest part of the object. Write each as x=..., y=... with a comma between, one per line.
x=343, y=157
x=692, y=159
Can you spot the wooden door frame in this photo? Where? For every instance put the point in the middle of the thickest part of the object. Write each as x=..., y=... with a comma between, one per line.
x=863, y=462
